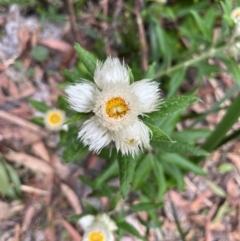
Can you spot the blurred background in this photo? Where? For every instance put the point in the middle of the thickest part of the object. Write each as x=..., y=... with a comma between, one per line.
x=190, y=48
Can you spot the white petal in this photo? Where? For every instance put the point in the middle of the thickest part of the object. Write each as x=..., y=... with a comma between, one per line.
x=54, y=126
x=235, y=15
x=100, y=228
x=94, y=135
x=148, y=93
x=81, y=96
x=104, y=218
x=111, y=71
x=124, y=91
x=133, y=139
x=86, y=221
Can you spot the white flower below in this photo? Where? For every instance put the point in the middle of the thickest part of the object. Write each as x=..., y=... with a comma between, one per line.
x=235, y=15
x=97, y=228
x=116, y=105
x=54, y=120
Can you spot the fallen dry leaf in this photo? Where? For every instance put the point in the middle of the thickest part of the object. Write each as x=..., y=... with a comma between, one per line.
x=27, y=220
x=72, y=232
x=41, y=151
x=23, y=123
x=72, y=198
x=56, y=44
x=30, y=162
x=235, y=159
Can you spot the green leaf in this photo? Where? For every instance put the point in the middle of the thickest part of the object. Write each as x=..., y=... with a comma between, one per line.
x=38, y=120
x=130, y=74
x=129, y=229
x=160, y=178
x=191, y=135
x=158, y=134
x=109, y=171
x=220, y=131
x=39, y=105
x=171, y=105
x=202, y=26
x=4, y=179
x=14, y=178
x=76, y=117
x=78, y=154
x=145, y=206
x=225, y=167
x=180, y=147
x=88, y=59
x=127, y=167
x=151, y=71
x=233, y=69
x=142, y=172
x=176, y=80
x=175, y=173
x=216, y=189
x=182, y=162
x=40, y=53
x=71, y=76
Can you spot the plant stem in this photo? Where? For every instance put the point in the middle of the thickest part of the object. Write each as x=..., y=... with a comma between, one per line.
x=204, y=55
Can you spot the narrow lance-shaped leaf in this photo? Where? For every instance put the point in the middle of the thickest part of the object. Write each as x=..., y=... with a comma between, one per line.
x=160, y=178
x=76, y=117
x=171, y=105
x=4, y=179
x=78, y=154
x=129, y=228
x=224, y=126
x=88, y=59
x=127, y=167
x=180, y=147
x=39, y=105
x=158, y=134
x=145, y=206
x=182, y=162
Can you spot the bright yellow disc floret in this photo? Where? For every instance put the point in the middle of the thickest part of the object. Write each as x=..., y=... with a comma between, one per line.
x=96, y=236
x=116, y=107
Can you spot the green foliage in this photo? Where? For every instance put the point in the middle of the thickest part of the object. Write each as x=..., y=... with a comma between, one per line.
x=183, y=48
x=127, y=167
x=39, y=105
x=158, y=134
x=180, y=147
x=76, y=117
x=129, y=229
x=40, y=53
x=87, y=58
x=9, y=180
x=171, y=105
x=224, y=126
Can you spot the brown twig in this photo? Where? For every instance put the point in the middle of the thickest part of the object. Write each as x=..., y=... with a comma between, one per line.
x=73, y=20
x=142, y=36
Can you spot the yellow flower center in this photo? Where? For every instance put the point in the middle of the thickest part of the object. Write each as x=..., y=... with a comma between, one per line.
x=96, y=236
x=55, y=118
x=130, y=142
x=116, y=107
x=237, y=14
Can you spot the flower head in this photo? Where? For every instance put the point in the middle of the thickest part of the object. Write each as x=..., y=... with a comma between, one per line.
x=54, y=119
x=235, y=15
x=99, y=228
x=116, y=105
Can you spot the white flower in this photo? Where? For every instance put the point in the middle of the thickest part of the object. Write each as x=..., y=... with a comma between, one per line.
x=235, y=15
x=99, y=228
x=54, y=119
x=116, y=105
